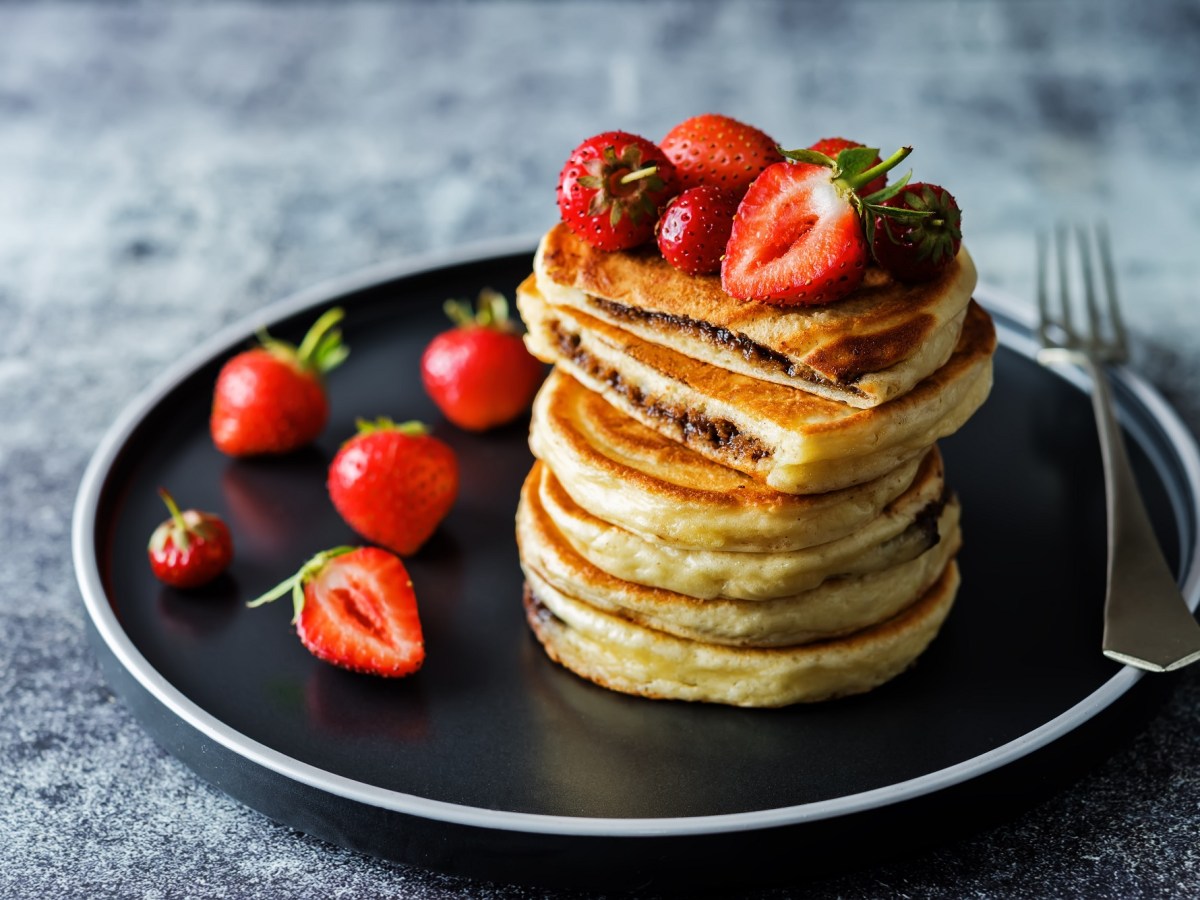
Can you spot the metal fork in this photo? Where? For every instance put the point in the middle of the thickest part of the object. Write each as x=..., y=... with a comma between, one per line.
x=1146, y=621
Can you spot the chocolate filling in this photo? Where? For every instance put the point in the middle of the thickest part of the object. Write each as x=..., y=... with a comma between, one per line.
x=750, y=350
x=694, y=427
x=922, y=535
x=539, y=610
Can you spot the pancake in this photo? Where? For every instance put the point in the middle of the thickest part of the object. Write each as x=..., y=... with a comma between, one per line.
x=837, y=606
x=865, y=349
x=905, y=529
x=793, y=440
x=630, y=475
x=624, y=656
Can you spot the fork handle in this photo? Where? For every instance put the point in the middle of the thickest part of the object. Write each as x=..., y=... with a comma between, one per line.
x=1146, y=621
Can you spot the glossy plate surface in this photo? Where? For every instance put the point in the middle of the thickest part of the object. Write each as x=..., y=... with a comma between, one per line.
x=493, y=761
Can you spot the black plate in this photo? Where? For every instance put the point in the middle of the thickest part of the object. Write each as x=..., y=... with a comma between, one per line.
x=494, y=762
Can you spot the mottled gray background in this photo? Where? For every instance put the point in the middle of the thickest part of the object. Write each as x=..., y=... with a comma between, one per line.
x=168, y=169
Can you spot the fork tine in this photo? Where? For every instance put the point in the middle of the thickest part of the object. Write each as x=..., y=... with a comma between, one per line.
x=1093, y=339
x=1041, y=239
x=1119, y=348
x=1064, y=287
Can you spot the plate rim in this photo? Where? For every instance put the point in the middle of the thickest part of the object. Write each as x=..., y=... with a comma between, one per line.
x=1016, y=334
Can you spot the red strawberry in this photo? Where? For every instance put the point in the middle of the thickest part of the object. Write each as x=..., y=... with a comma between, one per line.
x=271, y=399
x=479, y=374
x=798, y=237
x=831, y=147
x=917, y=249
x=189, y=549
x=694, y=229
x=611, y=187
x=720, y=151
x=393, y=484
x=355, y=608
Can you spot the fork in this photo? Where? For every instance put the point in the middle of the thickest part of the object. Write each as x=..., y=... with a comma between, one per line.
x=1147, y=623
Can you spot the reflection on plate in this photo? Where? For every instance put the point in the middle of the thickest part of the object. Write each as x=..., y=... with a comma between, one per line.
x=494, y=762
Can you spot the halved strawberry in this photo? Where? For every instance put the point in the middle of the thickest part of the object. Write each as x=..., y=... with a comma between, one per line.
x=355, y=607
x=719, y=151
x=798, y=236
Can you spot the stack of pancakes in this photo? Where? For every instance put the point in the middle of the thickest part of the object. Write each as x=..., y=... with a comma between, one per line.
x=734, y=502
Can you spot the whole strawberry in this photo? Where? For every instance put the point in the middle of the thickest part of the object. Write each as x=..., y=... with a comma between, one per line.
x=479, y=373
x=190, y=548
x=611, y=188
x=716, y=150
x=355, y=608
x=695, y=227
x=832, y=146
x=917, y=249
x=271, y=399
x=799, y=238
x=393, y=484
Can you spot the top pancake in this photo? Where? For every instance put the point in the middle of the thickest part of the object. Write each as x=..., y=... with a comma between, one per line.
x=793, y=440
x=867, y=348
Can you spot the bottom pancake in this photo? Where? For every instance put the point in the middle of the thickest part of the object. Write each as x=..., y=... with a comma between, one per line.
x=623, y=656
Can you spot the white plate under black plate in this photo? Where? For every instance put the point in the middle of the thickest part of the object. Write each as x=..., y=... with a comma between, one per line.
x=494, y=762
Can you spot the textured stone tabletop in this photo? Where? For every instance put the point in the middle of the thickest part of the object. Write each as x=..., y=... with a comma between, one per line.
x=166, y=170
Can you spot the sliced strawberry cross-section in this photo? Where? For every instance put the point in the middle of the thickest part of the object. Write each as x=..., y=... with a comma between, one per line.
x=798, y=238
x=355, y=607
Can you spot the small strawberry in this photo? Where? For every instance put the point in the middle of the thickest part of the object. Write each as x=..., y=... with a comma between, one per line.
x=918, y=249
x=695, y=227
x=271, y=399
x=798, y=238
x=393, y=484
x=611, y=187
x=720, y=151
x=831, y=147
x=355, y=608
x=479, y=374
x=189, y=549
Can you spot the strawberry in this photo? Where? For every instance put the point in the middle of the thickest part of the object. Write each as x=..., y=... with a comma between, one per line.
x=611, y=187
x=393, y=484
x=831, y=147
x=190, y=548
x=355, y=607
x=720, y=151
x=479, y=374
x=798, y=238
x=271, y=399
x=695, y=227
x=918, y=249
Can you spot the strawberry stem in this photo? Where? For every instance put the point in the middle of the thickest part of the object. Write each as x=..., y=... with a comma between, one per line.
x=491, y=311
x=631, y=177
x=412, y=428
x=857, y=181
x=322, y=348
x=181, y=540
